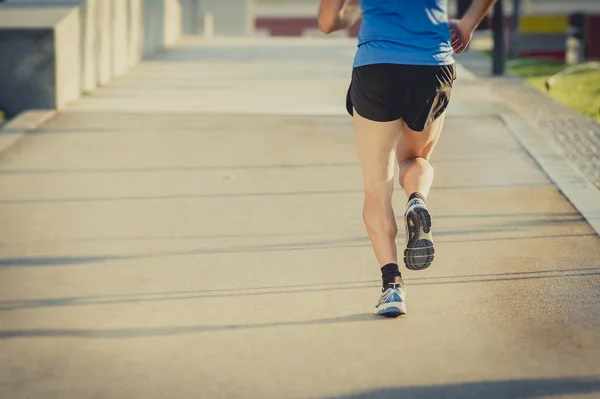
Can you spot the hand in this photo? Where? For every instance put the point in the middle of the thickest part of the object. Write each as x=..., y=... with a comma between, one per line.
x=350, y=14
x=459, y=36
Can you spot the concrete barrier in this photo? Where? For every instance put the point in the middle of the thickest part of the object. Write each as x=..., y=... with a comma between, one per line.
x=94, y=16
x=41, y=64
x=109, y=37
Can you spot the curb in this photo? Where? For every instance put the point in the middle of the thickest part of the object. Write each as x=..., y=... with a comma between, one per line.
x=23, y=123
x=582, y=194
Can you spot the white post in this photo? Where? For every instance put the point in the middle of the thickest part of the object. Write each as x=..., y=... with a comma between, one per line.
x=250, y=17
x=574, y=51
x=209, y=25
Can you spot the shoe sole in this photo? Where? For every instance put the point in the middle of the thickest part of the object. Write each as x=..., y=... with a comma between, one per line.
x=419, y=252
x=392, y=310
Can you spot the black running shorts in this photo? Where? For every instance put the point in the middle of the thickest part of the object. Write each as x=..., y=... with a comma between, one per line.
x=388, y=92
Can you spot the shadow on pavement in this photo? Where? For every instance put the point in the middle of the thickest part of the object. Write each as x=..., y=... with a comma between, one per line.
x=175, y=169
x=35, y=303
x=240, y=195
x=119, y=333
x=504, y=389
x=43, y=261
x=187, y=168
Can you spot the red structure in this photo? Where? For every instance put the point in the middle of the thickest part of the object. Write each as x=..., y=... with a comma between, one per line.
x=293, y=26
x=296, y=27
x=593, y=37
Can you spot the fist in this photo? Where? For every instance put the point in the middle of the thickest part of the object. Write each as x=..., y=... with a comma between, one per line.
x=459, y=38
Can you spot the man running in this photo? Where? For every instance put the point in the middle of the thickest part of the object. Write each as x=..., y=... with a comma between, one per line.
x=401, y=82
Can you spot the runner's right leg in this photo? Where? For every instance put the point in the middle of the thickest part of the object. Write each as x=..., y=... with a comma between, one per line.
x=416, y=177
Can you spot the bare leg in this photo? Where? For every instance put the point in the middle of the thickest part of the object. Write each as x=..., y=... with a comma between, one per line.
x=376, y=148
x=416, y=176
x=413, y=152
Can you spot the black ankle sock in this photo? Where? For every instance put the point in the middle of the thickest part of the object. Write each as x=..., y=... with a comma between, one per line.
x=416, y=195
x=389, y=273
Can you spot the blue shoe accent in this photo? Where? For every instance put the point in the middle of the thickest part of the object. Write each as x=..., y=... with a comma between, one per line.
x=392, y=302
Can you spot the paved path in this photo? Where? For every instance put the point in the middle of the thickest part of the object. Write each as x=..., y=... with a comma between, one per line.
x=577, y=135
x=194, y=231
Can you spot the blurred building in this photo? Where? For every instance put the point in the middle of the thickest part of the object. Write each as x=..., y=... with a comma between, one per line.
x=547, y=25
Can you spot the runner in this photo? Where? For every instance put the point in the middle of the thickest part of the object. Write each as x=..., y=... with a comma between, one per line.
x=401, y=82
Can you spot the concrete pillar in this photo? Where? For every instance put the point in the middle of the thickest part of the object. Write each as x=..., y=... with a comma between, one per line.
x=172, y=21
x=190, y=15
x=135, y=41
x=119, y=28
x=103, y=42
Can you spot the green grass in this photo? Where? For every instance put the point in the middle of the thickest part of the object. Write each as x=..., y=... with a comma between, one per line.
x=579, y=90
x=1, y=116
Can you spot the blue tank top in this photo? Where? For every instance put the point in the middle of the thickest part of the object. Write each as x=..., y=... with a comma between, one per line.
x=411, y=32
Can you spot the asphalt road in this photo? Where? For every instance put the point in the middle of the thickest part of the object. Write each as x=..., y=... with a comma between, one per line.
x=193, y=230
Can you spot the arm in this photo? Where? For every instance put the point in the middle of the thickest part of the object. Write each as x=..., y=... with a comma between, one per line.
x=462, y=30
x=336, y=15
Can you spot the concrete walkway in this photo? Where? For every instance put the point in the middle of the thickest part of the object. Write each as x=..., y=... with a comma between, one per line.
x=194, y=231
